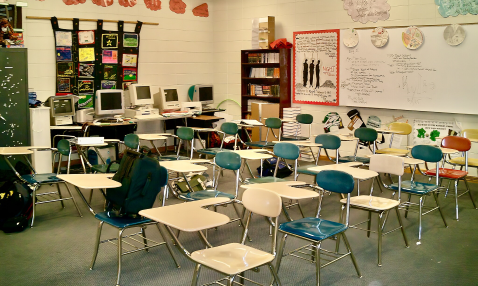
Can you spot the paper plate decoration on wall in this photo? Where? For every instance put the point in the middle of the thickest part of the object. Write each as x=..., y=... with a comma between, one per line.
x=332, y=119
x=379, y=37
x=350, y=37
x=412, y=38
x=454, y=35
x=127, y=3
x=364, y=11
x=75, y=2
x=201, y=10
x=177, y=6
x=454, y=8
x=153, y=5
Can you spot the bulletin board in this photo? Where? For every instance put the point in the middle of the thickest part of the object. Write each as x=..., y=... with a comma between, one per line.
x=90, y=60
x=316, y=67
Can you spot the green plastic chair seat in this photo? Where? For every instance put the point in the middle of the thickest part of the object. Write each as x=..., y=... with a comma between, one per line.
x=207, y=194
x=313, y=228
x=415, y=187
x=120, y=222
x=264, y=180
x=346, y=159
x=303, y=169
x=103, y=168
x=261, y=144
x=209, y=151
x=298, y=138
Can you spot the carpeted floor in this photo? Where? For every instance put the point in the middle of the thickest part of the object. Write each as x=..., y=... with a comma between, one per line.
x=58, y=249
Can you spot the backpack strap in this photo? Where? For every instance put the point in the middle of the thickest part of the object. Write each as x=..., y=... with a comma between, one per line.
x=146, y=186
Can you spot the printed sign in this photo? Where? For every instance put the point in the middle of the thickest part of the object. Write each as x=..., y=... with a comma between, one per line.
x=86, y=37
x=129, y=74
x=130, y=60
x=63, y=53
x=86, y=54
x=85, y=86
x=63, y=39
x=109, y=41
x=110, y=72
x=427, y=131
x=65, y=69
x=86, y=70
x=110, y=57
x=130, y=40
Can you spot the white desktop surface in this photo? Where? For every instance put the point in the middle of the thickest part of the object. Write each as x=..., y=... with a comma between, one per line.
x=66, y=127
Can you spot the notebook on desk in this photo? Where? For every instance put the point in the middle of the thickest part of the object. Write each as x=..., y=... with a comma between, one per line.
x=248, y=122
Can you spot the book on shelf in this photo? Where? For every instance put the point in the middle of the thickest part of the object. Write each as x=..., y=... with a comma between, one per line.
x=263, y=58
x=268, y=90
x=264, y=73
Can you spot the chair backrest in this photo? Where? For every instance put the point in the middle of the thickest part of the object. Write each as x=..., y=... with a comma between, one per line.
x=63, y=147
x=287, y=151
x=328, y=141
x=470, y=133
x=427, y=153
x=366, y=134
x=262, y=202
x=402, y=126
x=273, y=122
x=461, y=144
x=228, y=160
x=185, y=133
x=230, y=128
x=131, y=141
x=304, y=118
x=335, y=181
x=387, y=164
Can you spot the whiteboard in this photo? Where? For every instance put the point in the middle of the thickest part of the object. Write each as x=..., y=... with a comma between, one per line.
x=436, y=77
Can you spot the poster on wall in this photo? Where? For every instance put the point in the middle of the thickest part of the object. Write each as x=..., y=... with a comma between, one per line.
x=427, y=131
x=316, y=67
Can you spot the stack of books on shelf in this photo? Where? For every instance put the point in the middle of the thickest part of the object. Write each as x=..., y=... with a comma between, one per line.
x=263, y=90
x=264, y=73
x=263, y=58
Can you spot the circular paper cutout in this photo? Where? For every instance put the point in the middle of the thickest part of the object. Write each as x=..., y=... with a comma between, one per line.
x=379, y=37
x=350, y=37
x=454, y=35
x=412, y=38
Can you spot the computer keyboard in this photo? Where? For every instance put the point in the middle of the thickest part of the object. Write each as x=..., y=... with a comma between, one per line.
x=154, y=116
x=177, y=114
x=108, y=120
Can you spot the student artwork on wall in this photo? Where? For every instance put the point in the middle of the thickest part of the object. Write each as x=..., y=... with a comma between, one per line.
x=412, y=38
x=130, y=60
x=110, y=56
x=177, y=6
x=74, y=2
x=127, y=3
x=63, y=39
x=63, y=54
x=153, y=5
x=454, y=8
x=86, y=70
x=130, y=40
x=379, y=37
x=316, y=67
x=129, y=74
x=201, y=10
x=364, y=11
x=109, y=41
x=86, y=54
x=65, y=69
x=350, y=38
x=427, y=131
x=454, y=35
x=103, y=3
x=332, y=121
x=86, y=37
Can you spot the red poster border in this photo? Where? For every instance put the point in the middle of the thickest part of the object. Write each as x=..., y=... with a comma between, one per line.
x=338, y=67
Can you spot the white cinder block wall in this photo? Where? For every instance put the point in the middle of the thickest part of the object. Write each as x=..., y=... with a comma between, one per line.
x=177, y=52
x=232, y=32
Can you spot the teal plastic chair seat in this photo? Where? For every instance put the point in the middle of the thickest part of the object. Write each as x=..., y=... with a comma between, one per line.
x=415, y=187
x=209, y=151
x=265, y=180
x=103, y=168
x=313, y=228
x=261, y=144
x=41, y=178
x=207, y=194
x=304, y=169
x=346, y=159
x=113, y=219
x=298, y=138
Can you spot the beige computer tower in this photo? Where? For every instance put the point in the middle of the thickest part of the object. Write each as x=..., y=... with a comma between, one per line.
x=260, y=112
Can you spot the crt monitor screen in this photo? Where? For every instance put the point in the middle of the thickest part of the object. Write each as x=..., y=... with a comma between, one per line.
x=143, y=92
x=171, y=95
x=205, y=93
x=62, y=106
x=111, y=101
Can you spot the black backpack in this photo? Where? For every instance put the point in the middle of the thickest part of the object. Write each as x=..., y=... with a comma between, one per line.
x=141, y=179
x=16, y=206
x=269, y=166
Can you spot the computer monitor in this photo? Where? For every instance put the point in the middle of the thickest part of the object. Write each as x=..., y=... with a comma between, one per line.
x=62, y=105
x=204, y=94
x=140, y=94
x=109, y=102
x=166, y=99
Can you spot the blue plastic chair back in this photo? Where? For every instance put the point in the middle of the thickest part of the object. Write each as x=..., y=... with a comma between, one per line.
x=163, y=174
x=335, y=181
x=287, y=151
x=230, y=128
x=228, y=160
x=328, y=141
x=63, y=147
x=131, y=141
x=427, y=153
x=366, y=134
x=273, y=122
x=185, y=133
x=304, y=118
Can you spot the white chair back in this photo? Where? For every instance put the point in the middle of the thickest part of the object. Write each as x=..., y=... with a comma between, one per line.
x=262, y=202
x=387, y=164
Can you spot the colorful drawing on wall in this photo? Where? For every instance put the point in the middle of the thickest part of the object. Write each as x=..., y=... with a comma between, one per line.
x=109, y=41
x=63, y=85
x=356, y=120
x=177, y=6
x=110, y=56
x=103, y=3
x=86, y=54
x=86, y=70
x=379, y=37
x=201, y=10
x=65, y=69
x=63, y=53
x=454, y=35
x=130, y=40
x=427, y=131
x=367, y=10
x=454, y=8
x=374, y=122
x=316, y=67
x=74, y=2
x=85, y=101
x=350, y=38
x=86, y=37
x=331, y=120
x=85, y=86
x=127, y=3
x=129, y=60
x=412, y=38
x=63, y=39
x=129, y=74
x=153, y=5
x=110, y=72
x=108, y=84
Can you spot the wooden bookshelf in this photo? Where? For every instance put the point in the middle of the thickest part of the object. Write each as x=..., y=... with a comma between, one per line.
x=284, y=80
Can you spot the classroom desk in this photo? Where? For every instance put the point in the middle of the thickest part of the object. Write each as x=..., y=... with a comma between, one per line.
x=309, y=144
x=252, y=154
x=5, y=152
x=389, y=131
x=151, y=138
x=344, y=137
x=90, y=181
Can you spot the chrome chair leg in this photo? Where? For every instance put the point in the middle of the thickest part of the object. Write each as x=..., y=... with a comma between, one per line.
x=469, y=193
x=456, y=199
x=352, y=256
x=145, y=241
x=280, y=253
x=274, y=274
x=34, y=197
x=60, y=196
x=240, y=219
x=197, y=269
x=97, y=245
x=120, y=253
x=406, y=209
x=317, y=262
x=420, y=221
x=168, y=246
x=369, y=224
x=435, y=195
x=401, y=227
x=73, y=199
x=300, y=209
x=380, y=237
x=230, y=280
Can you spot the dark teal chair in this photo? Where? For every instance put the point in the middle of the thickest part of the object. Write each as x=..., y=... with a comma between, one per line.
x=121, y=223
x=271, y=124
x=429, y=154
x=368, y=136
x=227, y=128
x=314, y=230
x=329, y=142
x=131, y=141
x=37, y=180
x=283, y=150
x=305, y=119
x=185, y=134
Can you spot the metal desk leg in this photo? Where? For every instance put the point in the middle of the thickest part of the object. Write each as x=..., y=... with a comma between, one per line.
x=84, y=199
